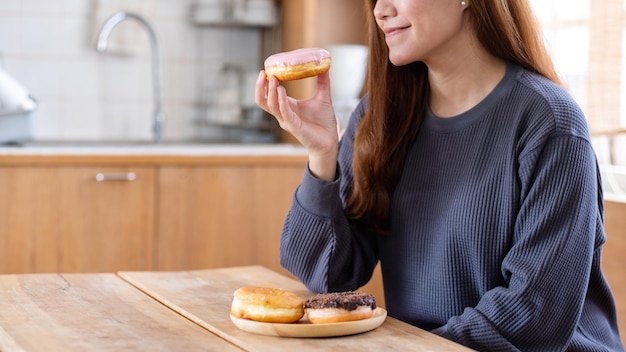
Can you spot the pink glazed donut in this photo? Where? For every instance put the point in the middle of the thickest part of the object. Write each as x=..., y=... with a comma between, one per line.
x=298, y=64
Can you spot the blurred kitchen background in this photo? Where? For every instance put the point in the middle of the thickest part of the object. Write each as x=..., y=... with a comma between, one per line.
x=211, y=52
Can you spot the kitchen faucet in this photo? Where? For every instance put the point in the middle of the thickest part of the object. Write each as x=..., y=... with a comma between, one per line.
x=156, y=69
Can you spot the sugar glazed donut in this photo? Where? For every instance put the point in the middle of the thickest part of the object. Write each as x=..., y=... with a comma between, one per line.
x=298, y=64
x=339, y=307
x=270, y=305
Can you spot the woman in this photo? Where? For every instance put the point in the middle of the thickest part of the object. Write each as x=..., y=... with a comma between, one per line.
x=467, y=171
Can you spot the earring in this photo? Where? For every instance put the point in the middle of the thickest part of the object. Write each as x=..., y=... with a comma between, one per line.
x=463, y=3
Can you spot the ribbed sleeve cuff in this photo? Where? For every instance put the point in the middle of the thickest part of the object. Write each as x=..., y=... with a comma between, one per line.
x=317, y=196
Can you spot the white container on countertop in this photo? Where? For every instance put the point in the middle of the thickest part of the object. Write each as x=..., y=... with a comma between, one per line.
x=14, y=98
x=347, y=76
x=16, y=107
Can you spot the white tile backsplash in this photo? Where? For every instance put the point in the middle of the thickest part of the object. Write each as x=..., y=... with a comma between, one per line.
x=8, y=34
x=125, y=78
x=45, y=120
x=128, y=120
x=76, y=120
x=48, y=46
x=79, y=8
x=10, y=6
x=78, y=78
x=179, y=82
x=43, y=78
x=42, y=7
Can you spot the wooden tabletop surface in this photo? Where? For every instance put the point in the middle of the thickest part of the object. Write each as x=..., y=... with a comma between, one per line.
x=92, y=312
x=166, y=311
x=205, y=296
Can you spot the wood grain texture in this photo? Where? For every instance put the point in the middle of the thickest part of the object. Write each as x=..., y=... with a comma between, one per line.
x=211, y=217
x=205, y=296
x=60, y=219
x=223, y=216
x=215, y=211
x=614, y=257
x=92, y=312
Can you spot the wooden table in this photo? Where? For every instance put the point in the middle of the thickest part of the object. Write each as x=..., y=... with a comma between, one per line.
x=167, y=311
x=92, y=312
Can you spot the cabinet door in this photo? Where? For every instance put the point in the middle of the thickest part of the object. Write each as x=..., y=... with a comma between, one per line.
x=274, y=191
x=613, y=260
x=217, y=216
x=61, y=219
x=227, y=216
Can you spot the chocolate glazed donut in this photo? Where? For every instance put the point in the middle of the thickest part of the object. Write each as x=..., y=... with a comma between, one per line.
x=339, y=307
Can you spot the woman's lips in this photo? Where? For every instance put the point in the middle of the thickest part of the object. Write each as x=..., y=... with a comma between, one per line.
x=391, y=31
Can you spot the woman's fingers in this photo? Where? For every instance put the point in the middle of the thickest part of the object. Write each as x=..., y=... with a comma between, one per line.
x=260, y=92
x=265, y=95
x=286, y=112
x=323, y=85
x=272, y=97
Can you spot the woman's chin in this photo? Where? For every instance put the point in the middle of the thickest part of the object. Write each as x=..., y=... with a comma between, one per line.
x=399, y=60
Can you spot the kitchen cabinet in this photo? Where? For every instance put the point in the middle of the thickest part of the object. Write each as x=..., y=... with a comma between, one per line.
x=179, y=213
x=227, y=215
x=213, y=217
x=613, y=260
x=61, y=219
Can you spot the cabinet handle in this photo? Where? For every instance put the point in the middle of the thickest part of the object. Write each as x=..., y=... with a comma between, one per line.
x=124, y=176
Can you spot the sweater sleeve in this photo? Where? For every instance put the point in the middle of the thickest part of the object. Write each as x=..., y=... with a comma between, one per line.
x=318, y=244
x=556, y=241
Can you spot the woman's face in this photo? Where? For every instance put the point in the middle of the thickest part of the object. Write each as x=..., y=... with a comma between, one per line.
x=421, y=30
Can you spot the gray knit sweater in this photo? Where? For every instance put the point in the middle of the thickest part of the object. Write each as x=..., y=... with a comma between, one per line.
x=497, y=227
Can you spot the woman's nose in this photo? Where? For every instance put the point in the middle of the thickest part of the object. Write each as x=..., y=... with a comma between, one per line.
x=383, y=9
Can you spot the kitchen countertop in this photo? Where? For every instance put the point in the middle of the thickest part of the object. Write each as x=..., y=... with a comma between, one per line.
x=149, y=153
x=105, y=148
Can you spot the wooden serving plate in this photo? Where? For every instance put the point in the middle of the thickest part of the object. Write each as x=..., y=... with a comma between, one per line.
x=303, y=328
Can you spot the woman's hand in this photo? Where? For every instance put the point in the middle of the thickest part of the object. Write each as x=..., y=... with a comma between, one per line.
x=312, y=121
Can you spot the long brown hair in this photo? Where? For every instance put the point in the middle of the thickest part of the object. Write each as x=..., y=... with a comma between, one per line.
x=398, y=99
